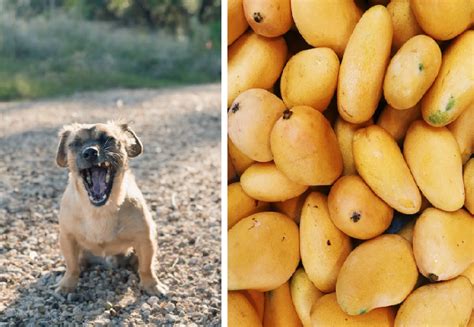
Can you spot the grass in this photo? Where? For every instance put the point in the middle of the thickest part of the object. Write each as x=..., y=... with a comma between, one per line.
x=57, y=55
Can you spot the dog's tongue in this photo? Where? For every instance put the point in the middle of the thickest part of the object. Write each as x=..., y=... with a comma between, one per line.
x=98, y=181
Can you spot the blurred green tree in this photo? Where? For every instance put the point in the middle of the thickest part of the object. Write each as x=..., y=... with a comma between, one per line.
x=173, y=15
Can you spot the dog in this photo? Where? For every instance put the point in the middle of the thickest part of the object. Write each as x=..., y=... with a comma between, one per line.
x=102, y=210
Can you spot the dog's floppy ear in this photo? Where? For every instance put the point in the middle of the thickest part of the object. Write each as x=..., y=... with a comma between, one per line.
x=134, y=146
x=61, y=154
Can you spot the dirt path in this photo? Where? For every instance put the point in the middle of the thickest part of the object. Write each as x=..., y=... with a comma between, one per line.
x=179, y=174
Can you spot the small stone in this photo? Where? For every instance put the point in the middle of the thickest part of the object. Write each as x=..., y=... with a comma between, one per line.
x=152, y=300
x=169, y=307
x=108, y=305
x=72, y=297
x=112, y=312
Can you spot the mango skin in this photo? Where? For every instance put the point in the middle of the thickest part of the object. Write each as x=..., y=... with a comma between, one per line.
x=442, y=20
x=468, y=177
x=240, y=312
x=323, y=247
x=443, y=244
x=326, y=23
x=257, y=299
x=442, y=304
x=378, y=273
x=279, y=308
x=396, y=122
x=264, y=182
x=239, y=161
x=380, y=163
x=453, y=90
x=254, y=61
x=237, y=22
x=304, y=294
x=326, y=312
x=433, y=156
x=292, y=207
x=263, y=252
x=305, y=147
x=462, y=132
x=411, y=72
x=404, y=22
x=310, y=78
x=270, y=18
x=356, y=210
x=240, y=205
x=345, y=133
x=363, y=66
x=250, y=121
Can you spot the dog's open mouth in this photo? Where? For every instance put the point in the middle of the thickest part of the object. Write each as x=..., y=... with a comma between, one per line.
x=98, y=181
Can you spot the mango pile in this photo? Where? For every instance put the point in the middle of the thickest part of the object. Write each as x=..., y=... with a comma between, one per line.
x=350, y=167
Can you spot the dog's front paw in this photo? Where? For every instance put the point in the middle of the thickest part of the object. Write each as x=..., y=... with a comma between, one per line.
x=67, y=284
x=154, y=287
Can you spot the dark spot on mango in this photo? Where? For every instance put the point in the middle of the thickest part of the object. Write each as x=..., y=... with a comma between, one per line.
x=257, y=17
x=315, y=206
x=362, y=311
x=355, y=216
x=235, y=108
x=283, y=238
x=433, y=277
x=328, y=242
x=421, y=67
x=450, y=103
x=287, y=114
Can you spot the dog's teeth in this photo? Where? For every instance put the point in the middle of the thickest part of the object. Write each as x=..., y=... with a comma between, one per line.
x=107, y=177
x=103, y=197
x=107, y=164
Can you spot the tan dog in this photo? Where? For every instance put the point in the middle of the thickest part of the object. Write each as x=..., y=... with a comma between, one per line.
x=102, y=209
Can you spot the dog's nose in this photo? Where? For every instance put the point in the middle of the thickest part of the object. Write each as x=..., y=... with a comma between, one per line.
x=90, y=154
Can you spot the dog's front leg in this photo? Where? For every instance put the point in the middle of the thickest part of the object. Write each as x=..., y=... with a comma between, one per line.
x=146, y=250
x=70, y=250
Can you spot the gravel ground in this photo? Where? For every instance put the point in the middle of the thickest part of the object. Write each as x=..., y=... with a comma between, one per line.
x=179, y=174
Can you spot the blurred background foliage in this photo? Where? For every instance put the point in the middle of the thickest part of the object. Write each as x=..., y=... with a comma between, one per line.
x=54, y=47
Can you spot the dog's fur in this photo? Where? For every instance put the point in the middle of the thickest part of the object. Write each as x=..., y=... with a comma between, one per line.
x=123, y=222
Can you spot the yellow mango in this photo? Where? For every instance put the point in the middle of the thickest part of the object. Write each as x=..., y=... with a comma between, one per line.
x=378, y=273
x=433, y=157
x=310, y=78
x=443, y=243
x=396, y=122
x=469, y=185
x=326, y=23
x=240, y=312
x=327, y=312
x=237, y=24
x=453, y=90
x=356, y=210
x=263, y=252
x=363, y=66
x=279, y=308
x=305, y=147
x=304, y=294
x=250, y=121
x=240, y=205
x=264, y=182
x=442, y=20
x=254, y=61
x=323, y=247
x=462, y=132
x=380, y=163
x=269, y=18
x=411, y=72
x=345, y=133
x=442, y=304
x=404, y=22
